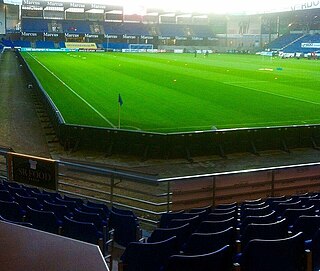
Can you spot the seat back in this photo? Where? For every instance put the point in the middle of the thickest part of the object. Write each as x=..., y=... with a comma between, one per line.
x=148, y=256
x=276, y=255
x=276, y=230
x=181, y=233
x=217, y=260
x=216, y=226
x=265, y=219
x=83, y=231
x=256, y=211
x=99, y=205
x=95, y=210
x=309, y=225
x=202, y=243
x=193, y=221
x=89, y=217
x=27, y=201
x=11, y=210
x=167, y=217
x=123, y=211
x=125, y=228
x=59, y=210
x=221, y=216
x=43, y=220
x=292, y=214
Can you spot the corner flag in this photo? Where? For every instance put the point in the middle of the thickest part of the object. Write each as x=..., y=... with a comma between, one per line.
x=120, y=104
x=120, y=100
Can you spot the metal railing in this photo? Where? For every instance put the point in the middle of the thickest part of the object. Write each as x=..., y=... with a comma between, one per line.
x=149, y=196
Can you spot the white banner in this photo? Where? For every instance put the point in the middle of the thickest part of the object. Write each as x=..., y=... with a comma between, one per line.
x=2, y=20
x=310, y=45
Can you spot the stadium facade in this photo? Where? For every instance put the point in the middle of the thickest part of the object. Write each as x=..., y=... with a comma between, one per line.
x=48, y=24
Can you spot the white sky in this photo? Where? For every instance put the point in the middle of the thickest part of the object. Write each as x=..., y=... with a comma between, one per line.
x=207, y=6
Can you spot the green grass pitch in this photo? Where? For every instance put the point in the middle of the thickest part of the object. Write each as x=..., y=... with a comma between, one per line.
x=179, y=92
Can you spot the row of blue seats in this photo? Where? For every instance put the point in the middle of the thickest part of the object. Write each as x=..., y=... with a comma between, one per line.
x=53, y=212
x=79, y=26
x=229, y=230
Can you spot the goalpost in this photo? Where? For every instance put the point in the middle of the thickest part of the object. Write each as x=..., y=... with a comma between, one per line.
x=137, y=47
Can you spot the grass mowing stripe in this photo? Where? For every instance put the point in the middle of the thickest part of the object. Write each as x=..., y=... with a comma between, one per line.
x=75, y=93
x=279, y=95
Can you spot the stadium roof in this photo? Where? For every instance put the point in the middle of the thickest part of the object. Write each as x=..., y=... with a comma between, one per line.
x=200, y=6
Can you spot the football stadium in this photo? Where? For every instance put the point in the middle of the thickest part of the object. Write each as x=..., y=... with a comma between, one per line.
x=154, y=136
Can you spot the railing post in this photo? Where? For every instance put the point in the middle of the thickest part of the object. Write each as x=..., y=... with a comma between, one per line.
x=168, y=196
x=214, y=191
x=111, y=189
x=272, y=183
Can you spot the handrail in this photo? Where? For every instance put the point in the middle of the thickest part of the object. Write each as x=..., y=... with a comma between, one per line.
x=151, y=196
x=183, y=178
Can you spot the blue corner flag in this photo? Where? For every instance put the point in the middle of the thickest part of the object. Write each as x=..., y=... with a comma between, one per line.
x=120, y=100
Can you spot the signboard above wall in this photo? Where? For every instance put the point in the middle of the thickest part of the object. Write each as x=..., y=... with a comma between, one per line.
x=35, y=171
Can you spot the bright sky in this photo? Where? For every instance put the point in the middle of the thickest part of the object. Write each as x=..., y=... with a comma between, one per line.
x=204, y=6
x=207, y=6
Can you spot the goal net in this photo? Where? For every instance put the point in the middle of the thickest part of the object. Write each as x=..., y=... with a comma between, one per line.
x=135, y=47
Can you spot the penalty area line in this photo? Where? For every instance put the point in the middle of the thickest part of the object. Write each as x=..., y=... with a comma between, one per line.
x=75, y=93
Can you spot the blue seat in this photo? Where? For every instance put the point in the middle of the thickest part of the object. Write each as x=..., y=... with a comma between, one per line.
x=216, y=260
x=126, y=228
x=202, y=243
x=147, y=256
x=281, y=207
x=26, y=224
x=95, y=218
x=27, y=201
x=221, y=216
x=59, y=210
x=265, y=219
x=99, y=205
x=71, y=204
x=6, y=196
x=11, y=210
x=97, y=210
x=83, y=231
x=167, y=217
x=181, y=233
x=79, y=201
x=256, y=211
x=207, y=209
x=227, y=206
x=309, y=225
x=41, y=197
x=276, y=230
x=123, y=211
x=216, y=226
x=18, y=190
x=277, y=255
x=52, y=194
x=315, y=248
x=193, y=221
x=292, y=214
x=44, y=220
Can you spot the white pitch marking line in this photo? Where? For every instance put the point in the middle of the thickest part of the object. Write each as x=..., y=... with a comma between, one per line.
x=75, y=93
x=279, y=95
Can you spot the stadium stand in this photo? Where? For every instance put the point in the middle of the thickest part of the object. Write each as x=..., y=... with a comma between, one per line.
x=82, y=220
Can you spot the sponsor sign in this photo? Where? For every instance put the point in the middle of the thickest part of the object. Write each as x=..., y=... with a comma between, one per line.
x=34, y=171
x=81, y=45
x=310, y=45
x=29, y=34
